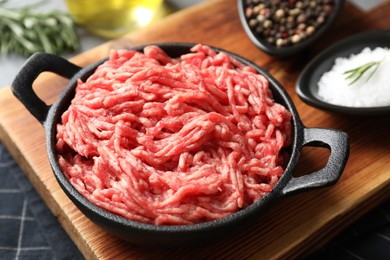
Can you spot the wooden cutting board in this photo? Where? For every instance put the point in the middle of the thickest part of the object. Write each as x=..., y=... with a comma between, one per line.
x=294, y=226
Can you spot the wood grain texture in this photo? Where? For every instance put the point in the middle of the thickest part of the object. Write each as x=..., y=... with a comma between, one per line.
x=294, y=226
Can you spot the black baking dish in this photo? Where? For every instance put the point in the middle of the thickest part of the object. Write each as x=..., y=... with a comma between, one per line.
x=190, y=235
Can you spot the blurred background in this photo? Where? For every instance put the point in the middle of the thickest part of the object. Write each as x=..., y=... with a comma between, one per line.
x=10, y=63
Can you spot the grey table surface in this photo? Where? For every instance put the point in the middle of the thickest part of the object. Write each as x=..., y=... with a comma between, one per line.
x=11, y=64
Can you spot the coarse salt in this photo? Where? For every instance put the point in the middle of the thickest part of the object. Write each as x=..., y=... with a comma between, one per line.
x=374, y=91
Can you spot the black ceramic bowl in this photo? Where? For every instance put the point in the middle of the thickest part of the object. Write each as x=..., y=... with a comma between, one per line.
x=177, y=236
x=292, y=49
x=307, y=83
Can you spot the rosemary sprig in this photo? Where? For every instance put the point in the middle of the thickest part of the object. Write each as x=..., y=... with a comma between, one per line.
x=25, y=32
x=356, y=73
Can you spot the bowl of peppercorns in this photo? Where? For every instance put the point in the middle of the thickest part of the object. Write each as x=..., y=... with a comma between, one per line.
x=284, y=27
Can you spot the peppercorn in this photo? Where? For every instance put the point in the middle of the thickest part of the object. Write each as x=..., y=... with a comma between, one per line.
x=295, y=38
x=301, y=18
x=252, y=22
x=310, y=30
x=279, y=14
x=287, y=22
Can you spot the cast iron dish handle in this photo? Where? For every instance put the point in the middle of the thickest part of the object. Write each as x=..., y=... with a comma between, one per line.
x=338, y=144
x=22, y=86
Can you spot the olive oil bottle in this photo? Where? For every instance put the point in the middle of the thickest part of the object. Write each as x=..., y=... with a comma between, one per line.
x=113, y=18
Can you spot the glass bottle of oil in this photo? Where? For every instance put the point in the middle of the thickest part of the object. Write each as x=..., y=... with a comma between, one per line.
x=113, y=18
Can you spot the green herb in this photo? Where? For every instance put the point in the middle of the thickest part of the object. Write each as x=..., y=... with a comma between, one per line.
x=356, y=73
x=25, y=32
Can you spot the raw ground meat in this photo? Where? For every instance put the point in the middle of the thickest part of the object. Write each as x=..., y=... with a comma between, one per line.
x=173, y=141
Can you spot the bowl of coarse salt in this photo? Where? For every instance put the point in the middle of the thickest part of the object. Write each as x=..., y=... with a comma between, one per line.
x=351, y=76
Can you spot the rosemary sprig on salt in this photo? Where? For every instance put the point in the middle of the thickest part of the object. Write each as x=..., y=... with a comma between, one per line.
x=356, y=73
x=369, y=78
